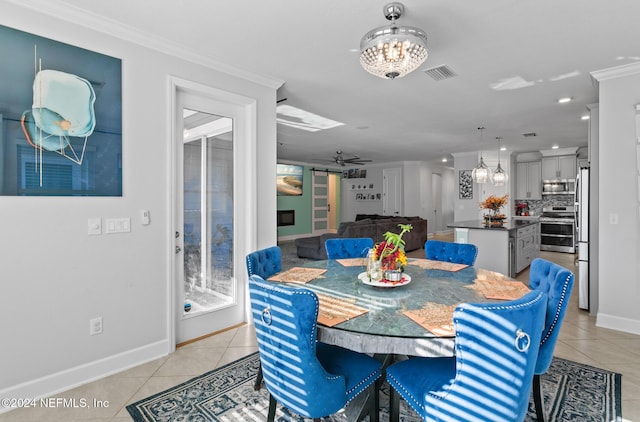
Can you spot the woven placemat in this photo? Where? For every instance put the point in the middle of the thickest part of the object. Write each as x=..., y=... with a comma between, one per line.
x=430, y=264
x=335, y=310
x=499, y=289
x=352, y=262
x=298, y=275
x=434, y=317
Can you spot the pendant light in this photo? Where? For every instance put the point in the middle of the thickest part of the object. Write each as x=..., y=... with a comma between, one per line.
x=499, y=177
x=481, y=173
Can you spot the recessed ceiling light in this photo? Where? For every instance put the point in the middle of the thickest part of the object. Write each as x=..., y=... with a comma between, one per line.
x=503, y=148
x=585, y=117
x=555, y=147
x=444, y=160
x=564, y=100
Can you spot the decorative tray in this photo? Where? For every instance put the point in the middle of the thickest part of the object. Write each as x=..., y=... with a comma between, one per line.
x=406, y=279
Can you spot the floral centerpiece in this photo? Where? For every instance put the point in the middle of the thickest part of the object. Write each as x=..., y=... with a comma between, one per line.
x=390, y=253
x=494, y=204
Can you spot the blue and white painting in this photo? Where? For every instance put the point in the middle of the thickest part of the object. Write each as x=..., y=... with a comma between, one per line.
x=61, y=118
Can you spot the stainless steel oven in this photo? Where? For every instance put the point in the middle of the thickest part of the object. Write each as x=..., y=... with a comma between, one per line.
x=557, y=229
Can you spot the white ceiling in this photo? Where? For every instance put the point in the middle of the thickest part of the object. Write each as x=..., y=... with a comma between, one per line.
x=542, y=49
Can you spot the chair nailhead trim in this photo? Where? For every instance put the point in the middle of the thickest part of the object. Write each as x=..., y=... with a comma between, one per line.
x=556, y=316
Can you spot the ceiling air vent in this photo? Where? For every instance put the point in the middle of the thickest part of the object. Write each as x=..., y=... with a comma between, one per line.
x=530, y=134
x=441, y=72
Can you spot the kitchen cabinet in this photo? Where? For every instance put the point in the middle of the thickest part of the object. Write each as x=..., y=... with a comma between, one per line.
x=528, y=180
x=527, y=246
x=559, y=167
x=507, y=249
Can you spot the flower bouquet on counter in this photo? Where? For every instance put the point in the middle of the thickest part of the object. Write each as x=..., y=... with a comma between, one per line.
x=494, y=204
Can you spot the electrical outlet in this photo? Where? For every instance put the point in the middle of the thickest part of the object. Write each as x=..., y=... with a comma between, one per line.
x=95, y=326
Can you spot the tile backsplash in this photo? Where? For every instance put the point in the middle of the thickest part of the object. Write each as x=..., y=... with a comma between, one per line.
x=535, y=206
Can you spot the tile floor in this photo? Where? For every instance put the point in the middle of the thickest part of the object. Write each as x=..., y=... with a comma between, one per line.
x=580, y=341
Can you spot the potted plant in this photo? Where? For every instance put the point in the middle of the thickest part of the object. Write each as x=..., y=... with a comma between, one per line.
x=391, y=255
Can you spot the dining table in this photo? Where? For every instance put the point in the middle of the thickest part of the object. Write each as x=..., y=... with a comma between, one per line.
x=411, y=317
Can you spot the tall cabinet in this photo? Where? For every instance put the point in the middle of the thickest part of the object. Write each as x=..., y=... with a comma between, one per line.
x=528, y=180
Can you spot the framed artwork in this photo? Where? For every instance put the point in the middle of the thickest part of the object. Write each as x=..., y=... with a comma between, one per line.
x=61, y=118
x=465, y=185
x=289, y=179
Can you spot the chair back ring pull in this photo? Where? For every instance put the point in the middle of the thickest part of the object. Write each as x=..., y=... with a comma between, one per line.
x=266, y=316
x=522, y=341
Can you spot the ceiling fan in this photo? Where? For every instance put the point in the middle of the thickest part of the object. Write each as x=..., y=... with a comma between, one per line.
x=339, y=159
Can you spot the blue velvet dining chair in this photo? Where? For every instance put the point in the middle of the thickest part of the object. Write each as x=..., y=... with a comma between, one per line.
x=458, y=253
x=307, y=377
x=265, y=263
x=490, y=376
x=557, y=282
x=348, y=247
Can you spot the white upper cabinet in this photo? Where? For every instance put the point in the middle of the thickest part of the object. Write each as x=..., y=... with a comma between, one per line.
x=559, y=167
x=528, y=181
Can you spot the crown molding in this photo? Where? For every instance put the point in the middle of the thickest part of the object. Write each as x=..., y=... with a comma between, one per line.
x=616, y=72
x=95, y=22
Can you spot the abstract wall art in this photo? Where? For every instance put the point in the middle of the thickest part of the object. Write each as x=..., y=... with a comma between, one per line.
x=465, y=185
x=60, y=118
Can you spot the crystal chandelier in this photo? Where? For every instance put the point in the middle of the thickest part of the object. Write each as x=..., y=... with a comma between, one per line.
x=393, y=51
x=481, y=173
x=499, y=177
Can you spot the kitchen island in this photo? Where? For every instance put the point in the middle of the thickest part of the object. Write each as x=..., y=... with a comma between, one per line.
x=507, y=249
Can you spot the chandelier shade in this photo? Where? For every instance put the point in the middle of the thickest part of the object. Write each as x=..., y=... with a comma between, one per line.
x=481, y=173
x=499, y=177
x=393, y=51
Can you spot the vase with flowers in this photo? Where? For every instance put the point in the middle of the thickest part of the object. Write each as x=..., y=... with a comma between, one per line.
x=495, y=218
x=389, y=255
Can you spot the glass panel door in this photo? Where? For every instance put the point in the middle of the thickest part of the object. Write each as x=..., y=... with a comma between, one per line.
x=320, y=201
x=208, y=213
x=207, y=292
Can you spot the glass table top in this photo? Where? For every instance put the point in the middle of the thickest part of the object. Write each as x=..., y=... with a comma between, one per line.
x=386, y=305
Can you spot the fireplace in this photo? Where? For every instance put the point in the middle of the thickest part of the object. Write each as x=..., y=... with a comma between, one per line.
x=286, y=218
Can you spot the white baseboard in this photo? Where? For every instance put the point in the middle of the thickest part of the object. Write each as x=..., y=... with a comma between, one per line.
x=618, y=323
x=294, y=237
x=82, y=374
x=439, y=233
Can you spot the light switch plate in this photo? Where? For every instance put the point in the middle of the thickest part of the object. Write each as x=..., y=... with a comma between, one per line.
x=117, y=225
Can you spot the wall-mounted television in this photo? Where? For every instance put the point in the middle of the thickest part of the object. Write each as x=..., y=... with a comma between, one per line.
x=289, y=180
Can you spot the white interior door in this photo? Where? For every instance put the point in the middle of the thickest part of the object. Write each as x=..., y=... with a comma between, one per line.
x=392, y=191
x=207, y=297
x=320, y=201
x=436, y=192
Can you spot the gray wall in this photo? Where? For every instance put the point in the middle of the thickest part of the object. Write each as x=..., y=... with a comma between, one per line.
x=618, y=244
x=55, y=277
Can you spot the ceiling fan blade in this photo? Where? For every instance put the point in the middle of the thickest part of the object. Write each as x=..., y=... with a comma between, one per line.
x=354, y=160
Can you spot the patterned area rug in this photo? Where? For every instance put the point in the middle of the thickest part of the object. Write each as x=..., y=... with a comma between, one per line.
x=573, y=392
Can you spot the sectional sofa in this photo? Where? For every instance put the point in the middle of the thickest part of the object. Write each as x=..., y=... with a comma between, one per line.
x=366, y=225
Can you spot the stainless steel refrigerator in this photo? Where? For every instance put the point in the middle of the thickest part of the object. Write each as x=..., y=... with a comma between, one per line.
x=582, y=236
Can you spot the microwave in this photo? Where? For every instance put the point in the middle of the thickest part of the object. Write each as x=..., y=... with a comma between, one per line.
x=559, y=187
